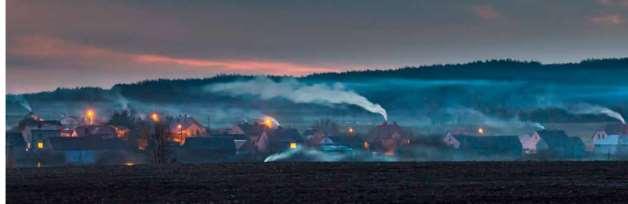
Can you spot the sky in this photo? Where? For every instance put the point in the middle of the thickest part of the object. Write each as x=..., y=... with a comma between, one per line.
x=62, y=43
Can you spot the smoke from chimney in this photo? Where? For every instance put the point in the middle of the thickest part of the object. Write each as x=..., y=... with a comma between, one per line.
x=297, y=92
x=124, y=103
x=469, y=115
x=19, y=99
x=585, y=108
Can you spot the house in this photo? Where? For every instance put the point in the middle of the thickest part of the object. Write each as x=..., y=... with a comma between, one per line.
x=207, y=149
x=609, y=145
x=561, y=146
x=616, y=129
x=485, y=147
x=278, y=139
x=88, y=150
x=35, y=129
x=184, y=127
x=267, y=136
x=532, y=143
x=386, y=138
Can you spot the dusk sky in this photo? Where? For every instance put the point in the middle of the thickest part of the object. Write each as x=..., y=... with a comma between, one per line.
x=58, y=43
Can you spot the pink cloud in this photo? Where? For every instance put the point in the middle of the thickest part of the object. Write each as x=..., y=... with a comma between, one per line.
x=50, y=48
x=43, y=47
x=240, y=66
x=607, y=19
x=486, y=12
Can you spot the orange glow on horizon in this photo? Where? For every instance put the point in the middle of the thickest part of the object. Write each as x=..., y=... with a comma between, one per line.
x=237, y=65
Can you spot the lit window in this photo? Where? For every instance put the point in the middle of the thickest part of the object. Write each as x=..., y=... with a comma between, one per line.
x=40, y=145
x=293, y=145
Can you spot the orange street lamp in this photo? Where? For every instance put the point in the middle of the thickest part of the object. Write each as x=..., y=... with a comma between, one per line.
x=90, y=115
x=154, y=117
x=268, y=122
x=481, y=131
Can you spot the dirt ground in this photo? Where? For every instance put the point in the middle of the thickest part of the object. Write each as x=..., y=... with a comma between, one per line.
x=498, y=182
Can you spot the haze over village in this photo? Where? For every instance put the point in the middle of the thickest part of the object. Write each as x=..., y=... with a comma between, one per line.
x=361, y=101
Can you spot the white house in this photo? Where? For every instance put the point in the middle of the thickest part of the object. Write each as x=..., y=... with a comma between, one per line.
x=605, y=144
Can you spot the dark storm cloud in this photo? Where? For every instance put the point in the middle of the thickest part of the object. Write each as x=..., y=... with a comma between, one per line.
x=120, y=41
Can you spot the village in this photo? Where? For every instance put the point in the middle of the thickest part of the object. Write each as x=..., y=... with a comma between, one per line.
x=128, y=138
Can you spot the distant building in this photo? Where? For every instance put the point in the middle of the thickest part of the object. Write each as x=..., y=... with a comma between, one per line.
x=88, y=150
x=277, y=139
x=100, y=131
x=34, y=129
x=487, y=147
x=184, y=127
x=610, y=145
x=386, y=138
x=207, y=149
x=532, y=143
x=561, y=146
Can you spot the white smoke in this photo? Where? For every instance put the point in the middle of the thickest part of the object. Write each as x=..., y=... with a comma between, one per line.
x=19, y=99
x=472, y=116
x=124, y=103
x=297, y=92
x=585, y=108
x=310, y=153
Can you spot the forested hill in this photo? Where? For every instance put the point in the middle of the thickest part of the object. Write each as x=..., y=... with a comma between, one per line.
x=589, y=71
x=606, y=71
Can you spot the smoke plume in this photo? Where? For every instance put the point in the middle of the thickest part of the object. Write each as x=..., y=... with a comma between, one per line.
x=124, y=103
x=585, y=108
x=472, y=116
x=294, y=91
x=19, y=99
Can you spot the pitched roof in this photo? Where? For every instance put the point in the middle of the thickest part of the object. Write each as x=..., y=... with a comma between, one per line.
x=386, y=130
x=490, y=144
x=352, y=141
x=281, y=134
x=558, y=138
x=85, y=143
x=185, y=122
x=214, y=143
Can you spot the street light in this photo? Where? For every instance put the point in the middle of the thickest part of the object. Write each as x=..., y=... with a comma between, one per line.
x=180, y=128
x=154, y=117
x=90, y=116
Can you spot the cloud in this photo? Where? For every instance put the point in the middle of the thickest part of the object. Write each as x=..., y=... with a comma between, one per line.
x=49, y=48
x=613, y=2
x=607, y=19
x=486, y=12
x=242, y=66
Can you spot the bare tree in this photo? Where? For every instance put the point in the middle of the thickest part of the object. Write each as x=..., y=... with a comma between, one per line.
x=159, y=149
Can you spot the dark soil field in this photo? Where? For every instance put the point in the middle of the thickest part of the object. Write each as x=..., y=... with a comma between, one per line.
x=530, y=182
